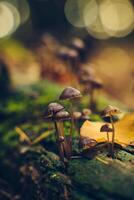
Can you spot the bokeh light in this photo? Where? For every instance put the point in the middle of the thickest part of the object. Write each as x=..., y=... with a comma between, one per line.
x=74, y=12
x=9, y=19
x=101, y=18
x=12, y=15
x=24, y=10
x=96, y=29
x=117, y=17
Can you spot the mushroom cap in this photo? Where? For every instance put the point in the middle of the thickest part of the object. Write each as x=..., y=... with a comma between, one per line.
x=70, y=93
x=86, y=74
x=61, y=139
x=110, y=111
x=53, y=108
x=96, y=83
x=62, y=115
x=86, y=112
x=76, y=115
x=65, y=53
x=87, y=142
x=78, y=43
x=106, y=128
x=72, y=53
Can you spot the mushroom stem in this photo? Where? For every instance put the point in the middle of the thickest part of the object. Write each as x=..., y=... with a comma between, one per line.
x=66, y=147
x=72, y=124
x=60, y=147
x=92, y=101
x=113, y=136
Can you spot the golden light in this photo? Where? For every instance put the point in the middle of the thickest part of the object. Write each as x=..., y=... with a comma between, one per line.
x=24, y=10
x=117, y=17
x=9, y=19
x=74, y=10
x=96, y=29
x=90, y=13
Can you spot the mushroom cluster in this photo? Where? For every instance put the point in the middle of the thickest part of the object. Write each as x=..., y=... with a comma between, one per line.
x=58, y=114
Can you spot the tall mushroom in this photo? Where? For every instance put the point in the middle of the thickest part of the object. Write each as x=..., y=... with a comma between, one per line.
x=106, y=128
x=91, y=83
x=60, y=117
x=51, y=111
x=70, y=94
x=111, y=111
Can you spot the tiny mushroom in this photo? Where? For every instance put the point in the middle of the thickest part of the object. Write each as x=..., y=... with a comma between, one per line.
x=70, y=94
x=87, y=143
x=111, y=111
x=60, y=117
x=79, y=45
x=107, y=129
x=50, y=113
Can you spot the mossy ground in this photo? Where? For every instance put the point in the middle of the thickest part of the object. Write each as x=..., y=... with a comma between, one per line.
x=36, y=173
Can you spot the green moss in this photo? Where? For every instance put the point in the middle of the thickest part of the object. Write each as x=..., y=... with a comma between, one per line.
x=98, y=179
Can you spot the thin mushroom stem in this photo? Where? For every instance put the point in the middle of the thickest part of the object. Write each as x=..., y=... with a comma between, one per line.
x=64, y=143
x=60, y=148
x=113, y=135
x=92, y=98
x=72, y=125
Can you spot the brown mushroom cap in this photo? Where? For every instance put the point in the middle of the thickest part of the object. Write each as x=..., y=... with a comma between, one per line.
x=78, y=43
x=72, y=53
x=86, y=74
x=87, y=142
x=70, y=93
x=96, y=83
x=77, y=115
x=53, y=108
x=62, y=115
x=110, y=111
x=86, y=112
x=106, y=128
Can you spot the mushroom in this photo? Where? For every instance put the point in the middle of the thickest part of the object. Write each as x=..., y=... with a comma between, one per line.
x=70, y=94
x=50, y=113
x=60, y=117
x=110, y=111
x=53, y=108
x=95, y=84
x=87, y=77
x=106, y=128
x=87, y=143
x=70, y=56
x=80, y=117
x=79, y=45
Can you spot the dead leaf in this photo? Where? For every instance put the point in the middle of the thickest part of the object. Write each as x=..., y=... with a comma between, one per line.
x=124, y=130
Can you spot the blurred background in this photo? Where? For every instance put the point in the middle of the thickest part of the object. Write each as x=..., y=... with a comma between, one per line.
x=67, y=41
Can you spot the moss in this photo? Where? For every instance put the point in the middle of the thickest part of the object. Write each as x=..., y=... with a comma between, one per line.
x=125, y=156
x=98, y=179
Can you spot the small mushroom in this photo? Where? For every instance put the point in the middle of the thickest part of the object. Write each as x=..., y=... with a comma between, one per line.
x=53, y=108
x=87, y=143
x=95, y=84
x=60, y=117
x=51, y=111
x=86, y=112
x=107, y=129
x=79, y=45
x=70, y=56
x=70, y=94
x=110, y=111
